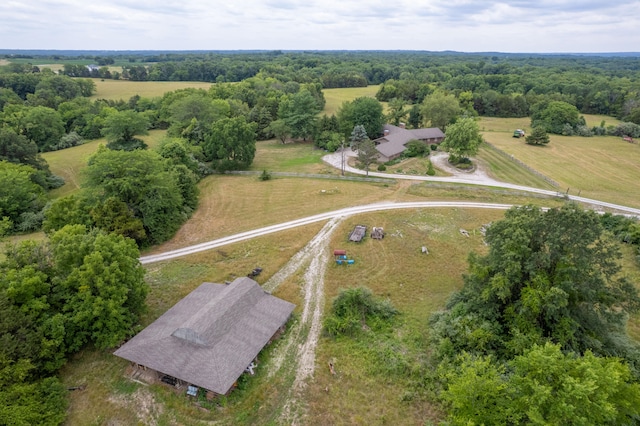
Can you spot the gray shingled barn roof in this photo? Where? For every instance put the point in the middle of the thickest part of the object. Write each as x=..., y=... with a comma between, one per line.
x=211, y=336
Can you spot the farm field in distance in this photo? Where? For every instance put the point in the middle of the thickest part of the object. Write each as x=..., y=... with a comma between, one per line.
x=335, y=97
x=125, y=89
x=600, y=167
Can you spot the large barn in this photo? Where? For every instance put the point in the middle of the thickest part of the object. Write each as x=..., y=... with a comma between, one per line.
x=211, y=336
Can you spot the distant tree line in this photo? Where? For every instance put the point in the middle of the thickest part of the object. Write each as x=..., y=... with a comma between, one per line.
x=501, y=85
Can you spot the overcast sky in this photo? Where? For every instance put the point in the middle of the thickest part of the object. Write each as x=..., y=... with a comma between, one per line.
x=435, y=25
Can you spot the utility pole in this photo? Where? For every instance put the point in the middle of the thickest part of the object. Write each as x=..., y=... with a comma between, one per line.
x=342, y=152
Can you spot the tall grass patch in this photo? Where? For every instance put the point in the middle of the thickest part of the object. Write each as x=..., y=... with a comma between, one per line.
x=356, y=309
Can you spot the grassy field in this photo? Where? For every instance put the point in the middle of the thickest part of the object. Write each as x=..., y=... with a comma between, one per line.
x=125, y=89
x=68, y=163
x=505, y=169
x=602, y=167
x=300, y=157
x=335, y=97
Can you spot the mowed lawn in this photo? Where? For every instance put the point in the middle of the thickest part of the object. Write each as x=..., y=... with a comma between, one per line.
x=600, y=167
x=233, y=204
x=299, y=157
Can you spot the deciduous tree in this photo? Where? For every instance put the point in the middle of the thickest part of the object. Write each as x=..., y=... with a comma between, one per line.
x=548, y=277
x=299, y=112
x=364, y=111
x=18, y=193
x=397, y=112
x=44, y=126
x=280, y=130
x=122, y=127
x=231, y=145
x=141, y=180
x=102, y=283
x=541, y=386
x=462, y=138
x=440, y=109
x=554, y=115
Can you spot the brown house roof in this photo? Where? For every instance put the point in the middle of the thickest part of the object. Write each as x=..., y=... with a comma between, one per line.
x=393, y=143
x=211, y=336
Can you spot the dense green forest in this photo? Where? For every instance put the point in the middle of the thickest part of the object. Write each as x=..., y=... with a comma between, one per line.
x=84, y=286
x=502, y=85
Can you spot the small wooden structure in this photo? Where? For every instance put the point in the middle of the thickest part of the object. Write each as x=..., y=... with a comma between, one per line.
x=358, y=233
x=377, y=233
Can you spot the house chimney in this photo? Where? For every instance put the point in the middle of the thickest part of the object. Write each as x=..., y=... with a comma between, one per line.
x=386, y=132
x=402, y=125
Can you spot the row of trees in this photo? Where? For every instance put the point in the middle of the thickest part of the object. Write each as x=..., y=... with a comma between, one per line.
x=499, y=85
x=510, y=88
x=502, y=85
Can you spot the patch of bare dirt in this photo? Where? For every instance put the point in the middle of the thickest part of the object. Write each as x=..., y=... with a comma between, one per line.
x=144, y=404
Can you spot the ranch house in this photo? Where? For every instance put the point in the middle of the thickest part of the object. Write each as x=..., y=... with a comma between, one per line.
x=393, y=143
x=209, y=338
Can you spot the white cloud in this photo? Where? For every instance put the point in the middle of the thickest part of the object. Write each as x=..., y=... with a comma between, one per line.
x=463, y=25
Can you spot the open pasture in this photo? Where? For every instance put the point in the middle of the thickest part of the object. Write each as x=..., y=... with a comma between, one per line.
x=600, y=167
x=125, y=89
x=69, y=163
x=335, y=97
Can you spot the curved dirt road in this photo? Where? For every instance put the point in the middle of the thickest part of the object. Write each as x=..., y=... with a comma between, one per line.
x=476, y=178
x=312, y=219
